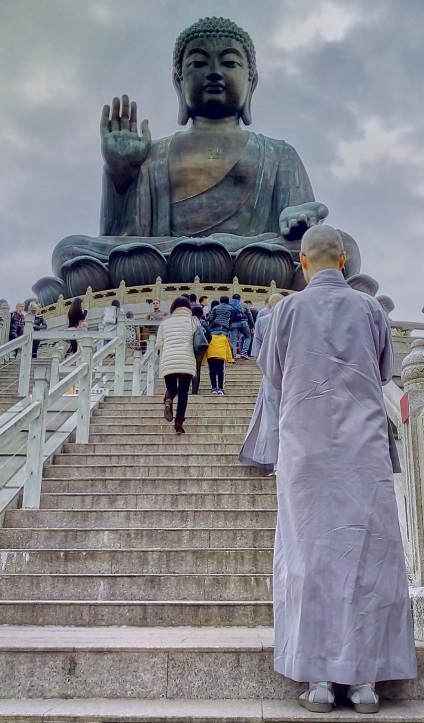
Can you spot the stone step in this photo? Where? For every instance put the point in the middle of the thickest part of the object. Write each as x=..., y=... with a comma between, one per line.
x=207, y=397
x=108, y=425
x=175, y=458
x=102, y=519
x=129, y=561
x=103, y=710
x=248, y=613
x=170, y=446
x=135, y=538
x=136, y=586
x=73, y=471
x=194, y=411
x=158, y=500
x=189, y=438
x=184, y=663
x=164, y=485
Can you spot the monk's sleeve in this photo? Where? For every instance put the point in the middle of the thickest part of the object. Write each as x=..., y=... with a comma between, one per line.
x=270, y=360
x=386, y=349
x=257, y=340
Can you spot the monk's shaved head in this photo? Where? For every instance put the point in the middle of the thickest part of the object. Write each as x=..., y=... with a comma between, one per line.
x=274, y=299
x=321, y=244
x=322, y=248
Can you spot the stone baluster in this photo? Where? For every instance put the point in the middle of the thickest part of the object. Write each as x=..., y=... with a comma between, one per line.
x=120, y=356
x=36, y=438
x=236, y=286
x=413, y=440
x=4, y=321
x=197, y=288
x=136, y=380
x=54, y=373
x=59, y=305
x=88, y=299
x=273, y=288
x=84, y=394
x=151, y=366
x=121, y=293
x=158, y=288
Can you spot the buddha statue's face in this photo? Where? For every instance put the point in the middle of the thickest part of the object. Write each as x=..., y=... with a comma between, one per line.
x=215, y=77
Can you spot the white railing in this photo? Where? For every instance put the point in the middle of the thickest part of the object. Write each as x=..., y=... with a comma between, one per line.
x=80, y=374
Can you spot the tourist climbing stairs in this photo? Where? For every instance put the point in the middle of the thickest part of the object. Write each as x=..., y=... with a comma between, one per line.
x=141, y=589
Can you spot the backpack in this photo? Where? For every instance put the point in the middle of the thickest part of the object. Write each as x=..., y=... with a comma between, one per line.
x=238, y=314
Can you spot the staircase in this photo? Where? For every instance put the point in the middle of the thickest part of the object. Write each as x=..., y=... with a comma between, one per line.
x=141, y=590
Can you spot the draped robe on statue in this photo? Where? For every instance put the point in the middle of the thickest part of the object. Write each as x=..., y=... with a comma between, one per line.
x=341, y=605
x=260, y=448
x=267, y=177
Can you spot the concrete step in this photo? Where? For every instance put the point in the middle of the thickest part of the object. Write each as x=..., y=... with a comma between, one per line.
x=136, y=586
x=145, y=469
x=194, y=411
x=102, y=710
x=129, y=561
x=170, y=446
x=141, y=401
x=145, y=440
x=136, y=538
x=158, y=500
x=164, y=485
x=175, y=458
x=102, y=519
x=152, y=663
x=172, y=613
x=210, y=425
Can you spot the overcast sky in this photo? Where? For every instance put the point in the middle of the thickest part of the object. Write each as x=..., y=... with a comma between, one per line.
x=341, y=80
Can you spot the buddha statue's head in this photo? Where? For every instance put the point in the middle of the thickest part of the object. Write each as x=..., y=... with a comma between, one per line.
x=214, y=71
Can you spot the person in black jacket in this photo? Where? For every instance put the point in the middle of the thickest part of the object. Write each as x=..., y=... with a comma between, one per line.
x=17, y=323
x=221, y=316
x=197, y=311
x=39, y=325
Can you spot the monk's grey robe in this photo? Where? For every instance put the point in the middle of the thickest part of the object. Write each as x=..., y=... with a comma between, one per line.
x=260, y=448
x=341, y=607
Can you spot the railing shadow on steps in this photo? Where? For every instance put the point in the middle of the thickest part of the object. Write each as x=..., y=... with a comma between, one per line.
x=76, y=385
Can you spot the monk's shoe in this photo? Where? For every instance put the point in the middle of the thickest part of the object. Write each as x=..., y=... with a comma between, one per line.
x=319, y=698
x=364, y=698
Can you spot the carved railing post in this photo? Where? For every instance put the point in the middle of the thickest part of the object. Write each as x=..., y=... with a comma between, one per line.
x=151, y=366
x=121, y=292
x=120, y=356
x=59, y=305
x=413, y=440
x=26, y=357
x=158, y=288
x=236, y=285
x=54, y=373
x=84, y=394
x=273, y=288
x=4, y=321
x=88, y=301
x=136, y=380
x=36, y=438
x=197, y=288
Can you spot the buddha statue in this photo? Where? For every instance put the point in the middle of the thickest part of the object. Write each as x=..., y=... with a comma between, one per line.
x=215, y=200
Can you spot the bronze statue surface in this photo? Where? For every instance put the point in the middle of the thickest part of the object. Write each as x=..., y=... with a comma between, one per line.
x=213, y=200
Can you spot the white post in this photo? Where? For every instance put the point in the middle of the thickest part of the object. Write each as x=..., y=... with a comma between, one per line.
x=54, y=374
x=151, y=366
x=84, y=396
x=136, y=380
x=36, y=437
x=26, y=357
x=413, y=381
x=120, y=356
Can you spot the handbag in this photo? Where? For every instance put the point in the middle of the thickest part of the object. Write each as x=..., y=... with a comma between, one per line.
x=200, y=343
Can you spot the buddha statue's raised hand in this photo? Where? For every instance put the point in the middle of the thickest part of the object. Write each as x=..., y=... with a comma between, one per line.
x=123, y=149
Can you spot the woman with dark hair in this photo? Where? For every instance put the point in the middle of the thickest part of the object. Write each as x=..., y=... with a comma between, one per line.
x=76, y=318
x=197, y=311
x=177, y=360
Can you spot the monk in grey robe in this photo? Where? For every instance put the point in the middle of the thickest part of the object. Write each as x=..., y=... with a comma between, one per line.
x=341, y=605
x=260, y=448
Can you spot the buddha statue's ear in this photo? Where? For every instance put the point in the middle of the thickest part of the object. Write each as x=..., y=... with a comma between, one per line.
x=183, y=114
x=246, y=112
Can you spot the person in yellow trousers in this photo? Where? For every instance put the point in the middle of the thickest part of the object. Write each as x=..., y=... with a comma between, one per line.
x=218, y=352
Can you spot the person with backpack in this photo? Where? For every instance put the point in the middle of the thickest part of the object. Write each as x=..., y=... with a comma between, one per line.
x=197, y=311
x=242, y=324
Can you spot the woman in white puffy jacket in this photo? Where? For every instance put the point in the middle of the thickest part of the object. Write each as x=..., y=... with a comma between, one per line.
x=177, y=360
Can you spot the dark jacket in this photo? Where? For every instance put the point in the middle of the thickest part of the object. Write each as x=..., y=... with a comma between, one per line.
x=17, y=322
x=247, y=315
x=206, y=328
x=39, y=323
x=221, y=317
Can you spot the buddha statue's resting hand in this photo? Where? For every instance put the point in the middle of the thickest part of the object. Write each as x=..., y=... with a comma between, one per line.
x=306, y=214
x=123, y=149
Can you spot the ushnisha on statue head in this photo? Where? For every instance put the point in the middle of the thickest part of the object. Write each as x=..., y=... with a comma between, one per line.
x=202, y=53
